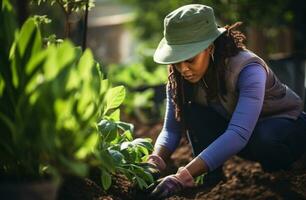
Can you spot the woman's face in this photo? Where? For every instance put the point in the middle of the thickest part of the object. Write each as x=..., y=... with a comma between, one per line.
x=194, y=68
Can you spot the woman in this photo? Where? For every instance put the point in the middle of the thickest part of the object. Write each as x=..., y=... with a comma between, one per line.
x=225, y=98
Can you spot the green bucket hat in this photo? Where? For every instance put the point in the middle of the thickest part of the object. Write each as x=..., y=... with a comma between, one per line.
x=187, y=31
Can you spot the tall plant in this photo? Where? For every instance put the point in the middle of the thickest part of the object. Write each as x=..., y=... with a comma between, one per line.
x=49, y=99
x=116, y=150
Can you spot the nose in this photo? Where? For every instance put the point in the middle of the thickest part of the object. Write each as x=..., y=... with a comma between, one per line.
x=184, y=67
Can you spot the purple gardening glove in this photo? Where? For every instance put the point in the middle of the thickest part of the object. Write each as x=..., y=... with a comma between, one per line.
x=155, y=165
x=157, y=161
x=173, y=184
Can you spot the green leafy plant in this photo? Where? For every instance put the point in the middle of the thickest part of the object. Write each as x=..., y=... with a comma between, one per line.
x=69, y=7
x=141, y=84
x=148, y=23
x=49, y=100
x=137, y=75
x=116, y=150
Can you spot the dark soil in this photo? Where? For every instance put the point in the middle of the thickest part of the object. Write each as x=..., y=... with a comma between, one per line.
x=245, y=180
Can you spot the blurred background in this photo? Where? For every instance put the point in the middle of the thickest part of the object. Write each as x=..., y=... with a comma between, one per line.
x=124, y=33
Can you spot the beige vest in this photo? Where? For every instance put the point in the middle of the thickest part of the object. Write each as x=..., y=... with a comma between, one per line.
x=279, y=100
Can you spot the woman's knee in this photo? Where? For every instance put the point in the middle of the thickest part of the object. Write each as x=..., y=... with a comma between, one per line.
x=263, y=145
x=269, y=147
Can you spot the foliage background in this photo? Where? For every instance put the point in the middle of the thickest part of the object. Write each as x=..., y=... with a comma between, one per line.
x=261, y=14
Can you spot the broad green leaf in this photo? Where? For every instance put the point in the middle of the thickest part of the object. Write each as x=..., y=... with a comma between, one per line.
x=128, y=135
x=104, y=86
x=66, y=53
x=132, y=155
x=2, y=85
x=145, y=142
x=138, y=154
x=33, y=84
x=143, y=149
x=127, y=173
x=115, y=115
x=125, y=126
x=146, y=176
x=6, y=5
x=129, y=154
x=35, y=61
x=117, y=156
x=106, y=160
x=125, y=145
x=58, y=58
x=15, y=78
x=26, y=45
x=65, y=119
x=99, y=70
x=34, y=64
x=85, y=65
x=74, y=80
x=8, y=27
x=106, y=179
x=29, y=38
x=141, y=183
x=89, y=89
x=86, y=110
x=108, y=130
x=115, y=147
x=114, y=98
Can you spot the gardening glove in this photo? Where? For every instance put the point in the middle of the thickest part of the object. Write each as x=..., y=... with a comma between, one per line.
x=173, y=184
x=155, y=165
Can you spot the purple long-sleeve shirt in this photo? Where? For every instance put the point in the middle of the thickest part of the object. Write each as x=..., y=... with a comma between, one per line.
x=251, y=87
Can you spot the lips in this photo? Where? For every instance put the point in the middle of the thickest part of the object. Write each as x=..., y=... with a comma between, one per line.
x=188, y=77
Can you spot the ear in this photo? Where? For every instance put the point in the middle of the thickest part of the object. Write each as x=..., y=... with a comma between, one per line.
x=211, y=48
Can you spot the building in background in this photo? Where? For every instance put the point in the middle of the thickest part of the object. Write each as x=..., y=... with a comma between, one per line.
x=108, y=37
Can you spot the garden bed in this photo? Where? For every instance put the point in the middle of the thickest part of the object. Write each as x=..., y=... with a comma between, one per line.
x=244, y=180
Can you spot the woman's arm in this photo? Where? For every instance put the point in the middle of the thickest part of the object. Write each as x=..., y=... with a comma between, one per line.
x=170, y=135
x=251, y=85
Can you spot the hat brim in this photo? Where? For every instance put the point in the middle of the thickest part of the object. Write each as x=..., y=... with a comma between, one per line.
x=170, y=54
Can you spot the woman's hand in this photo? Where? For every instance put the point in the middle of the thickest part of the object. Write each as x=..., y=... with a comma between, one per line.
x=155, y=165
x=173, y=184
x=152, y=169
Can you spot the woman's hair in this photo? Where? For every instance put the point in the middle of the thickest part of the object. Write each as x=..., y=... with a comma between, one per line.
x=228, y=44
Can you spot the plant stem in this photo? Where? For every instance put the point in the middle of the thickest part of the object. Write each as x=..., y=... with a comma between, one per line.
x=85, y=27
